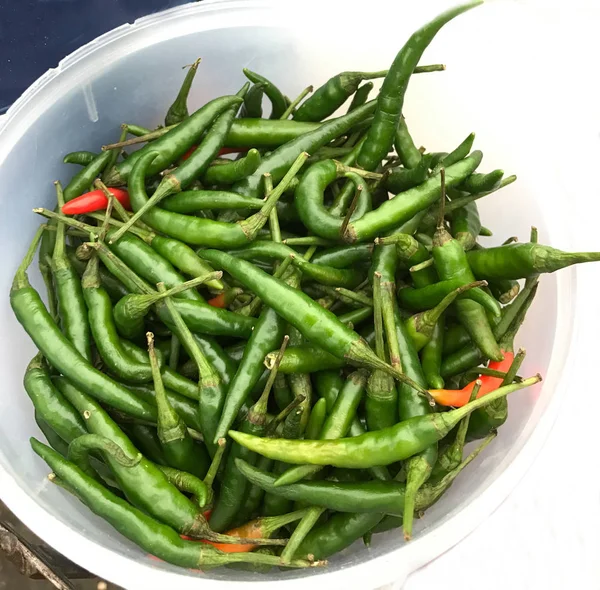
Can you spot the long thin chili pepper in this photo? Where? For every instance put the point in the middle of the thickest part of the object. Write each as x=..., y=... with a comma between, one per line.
x=315, y=323
x=280, y=160
x=234, y=485
x=381, y=447
x=252, y=107
x=37, y=322
x=178, y=446
x=380, y=136
x=94, y=201
x=83, y=158
x=71, y=305
x=178, y=111
x=517, y=261
x=211, y=386
x=198, y=231
x=336, y=425
x=158, y=539
x=81, y=182
x=232, y=171
x=395, y=212
x=451, y=263
x=173, y=144
x=49, y=403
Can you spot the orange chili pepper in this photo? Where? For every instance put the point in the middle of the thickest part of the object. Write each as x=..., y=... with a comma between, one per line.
x=460, y=397
x=95, y=201
x=219, y=301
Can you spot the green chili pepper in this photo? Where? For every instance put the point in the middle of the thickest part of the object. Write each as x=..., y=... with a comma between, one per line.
x=35, y=319
x=337, y=424
x=504, y=290
x=211, y=387
x=277, y=99
x=401, y=179
x=381, y=447
x=198, y=231
x=431, y=356
x=50, y=404
x=234, y=485
x=178, y=446
x=170, y=146
x=397, y=211
x=316, y=324
x=300, y=385
x=234, y=170
x=54, y=440
x=309, y=199
x=81, y=182
x=252, y=107
x=422, y=325
x=517, y=261
x=451, y=263
x=409, y=154
x=479, y=183
x=280, y=160
x=382, y=398
x=145, y=438
x=305, y=358
x=186, y=482
x=318, y=414
x=513, y=314
x=466, y=225
x=71, y=305
x=82, y=158
x=178, y=111
x=360, y=96
x=343, y=256
x=380, y=136
x=152, y=536
x=192, y=201
x=333, y=94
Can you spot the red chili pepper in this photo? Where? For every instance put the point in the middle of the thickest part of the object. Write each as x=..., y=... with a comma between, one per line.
x=460, y=397
x=95, y=201
x=189, y=152
x=219, y=301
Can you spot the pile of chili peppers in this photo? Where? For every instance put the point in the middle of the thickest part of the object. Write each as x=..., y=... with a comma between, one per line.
x=284, y=350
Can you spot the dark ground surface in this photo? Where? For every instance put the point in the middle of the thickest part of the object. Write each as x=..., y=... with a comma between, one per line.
x=11, y=577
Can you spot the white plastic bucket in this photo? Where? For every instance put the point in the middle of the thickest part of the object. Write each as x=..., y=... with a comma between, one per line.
x=132, y=74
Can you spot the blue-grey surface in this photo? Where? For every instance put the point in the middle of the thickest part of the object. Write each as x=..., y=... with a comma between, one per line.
x=36, y=34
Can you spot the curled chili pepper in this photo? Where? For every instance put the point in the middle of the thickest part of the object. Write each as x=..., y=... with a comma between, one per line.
x=460, y=397
x=95, y=201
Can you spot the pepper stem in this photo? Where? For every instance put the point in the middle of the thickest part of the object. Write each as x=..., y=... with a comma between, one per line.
x=58, y=256
x=209, y=478
x=272, y=426
x=169, y=424
x=253, y=224
x=292, y=106
x=140, y=139
x=21, y=281
x=357, y=193
x=258, y=412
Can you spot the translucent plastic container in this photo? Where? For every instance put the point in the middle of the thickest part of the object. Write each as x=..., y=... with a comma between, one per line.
x=132, y=74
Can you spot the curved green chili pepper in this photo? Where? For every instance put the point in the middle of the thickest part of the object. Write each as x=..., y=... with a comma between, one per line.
x=170, y=146
x=35, y=319
x=397, y=211
x=158, y=539
x=316, y=324
x=309, y=199
x=380, y=136
x=480, y=183
x=381, y=447
x=50, y=404
x=431, y=356
x=82, y=158
x=360, y=96
x=280, y=160
x=407, y=151
x=277, y=99
x=198, y=231
x=233, y=171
